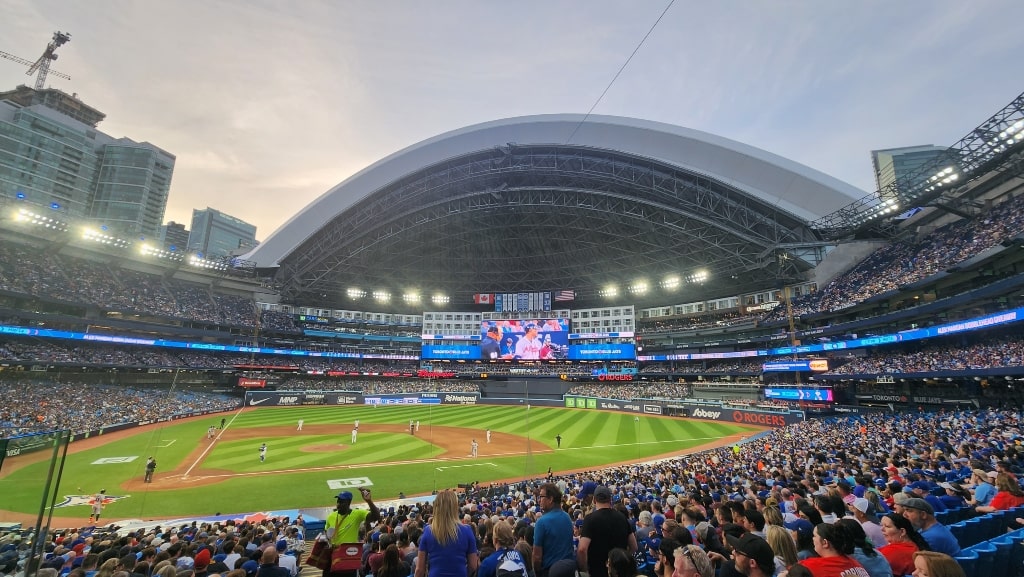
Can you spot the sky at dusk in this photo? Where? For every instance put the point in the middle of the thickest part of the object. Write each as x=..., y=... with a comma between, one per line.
x=267, y=105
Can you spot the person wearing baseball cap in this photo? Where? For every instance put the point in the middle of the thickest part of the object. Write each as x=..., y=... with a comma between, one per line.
x=984, y=490
x=752, y=555
x=528, y=346
x=286, y=561
x=938, y=536
x=490, y=346
x=861, y=509
x=923, y=490
x=343, y=523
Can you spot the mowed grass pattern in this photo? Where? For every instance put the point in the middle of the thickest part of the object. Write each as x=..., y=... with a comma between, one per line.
x=295, y=476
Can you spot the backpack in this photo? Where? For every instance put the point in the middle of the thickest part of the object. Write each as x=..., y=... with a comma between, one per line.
x=510, y=564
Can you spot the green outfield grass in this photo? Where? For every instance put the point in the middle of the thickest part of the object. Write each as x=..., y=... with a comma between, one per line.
x=294, y=476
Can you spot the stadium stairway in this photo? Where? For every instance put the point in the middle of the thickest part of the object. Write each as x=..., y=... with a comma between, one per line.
x=309, y=570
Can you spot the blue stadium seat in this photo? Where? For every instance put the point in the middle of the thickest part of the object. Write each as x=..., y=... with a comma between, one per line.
x=995, y=524
x=314, y=527
x=973, y=533
x=958, y=530
x=964, y=513
x=1004, y=552
x=986, y=559
x=1016, y=563
x=968, y=560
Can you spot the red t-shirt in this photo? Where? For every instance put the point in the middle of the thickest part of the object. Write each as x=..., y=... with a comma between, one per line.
x=837, y=566
x=900, y=556
x=1005, y=500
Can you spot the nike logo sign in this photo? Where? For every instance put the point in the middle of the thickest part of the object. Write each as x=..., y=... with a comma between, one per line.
x=255, y=402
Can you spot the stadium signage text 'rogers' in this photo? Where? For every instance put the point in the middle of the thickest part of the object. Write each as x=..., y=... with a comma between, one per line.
x=758, y=419
x=460, y=399
x=615, y=377
x=706, y=414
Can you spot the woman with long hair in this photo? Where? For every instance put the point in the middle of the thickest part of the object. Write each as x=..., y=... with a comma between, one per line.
x=903, y=541
x=447, y=547
x=864, y=551
x=773, y=516
x=1008, y=495
x=932, y=564
x=834, y=546
x=392, y=564
x=782, y=545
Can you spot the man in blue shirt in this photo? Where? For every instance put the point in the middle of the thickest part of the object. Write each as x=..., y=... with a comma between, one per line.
x=553, y=554
x=984, y=490
x=938, y=536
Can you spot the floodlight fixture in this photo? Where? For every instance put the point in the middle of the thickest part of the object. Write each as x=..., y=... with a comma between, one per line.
x=440, y=299
x=381, y=296
x=93, y=235
x=355, y=293
x=146, y=249
x=411, y=297
x=697, y=277
x=609, y=291
x=205, y=263
x=29, y=217
x=638, y=288
x=671, y=282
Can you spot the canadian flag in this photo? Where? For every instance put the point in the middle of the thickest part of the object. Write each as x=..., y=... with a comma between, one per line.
x=483, y=299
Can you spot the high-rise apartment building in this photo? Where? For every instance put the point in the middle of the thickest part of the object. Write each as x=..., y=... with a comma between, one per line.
x=174, y=236
x=900, y=164
x=215, y=234
x=52, y=155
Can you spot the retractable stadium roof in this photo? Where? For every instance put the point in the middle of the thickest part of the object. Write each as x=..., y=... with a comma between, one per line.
x=553, y=202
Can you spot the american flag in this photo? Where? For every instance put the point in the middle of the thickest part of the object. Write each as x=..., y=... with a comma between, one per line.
x=562, y=296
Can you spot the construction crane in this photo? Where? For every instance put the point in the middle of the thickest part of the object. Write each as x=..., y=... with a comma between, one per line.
x=41, y=67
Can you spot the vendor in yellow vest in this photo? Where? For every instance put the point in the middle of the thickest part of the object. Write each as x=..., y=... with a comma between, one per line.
x=343, y=523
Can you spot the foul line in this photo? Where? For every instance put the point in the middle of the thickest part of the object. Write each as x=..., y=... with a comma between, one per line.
x=199, y=459
x=464, y=466
x=171, y=442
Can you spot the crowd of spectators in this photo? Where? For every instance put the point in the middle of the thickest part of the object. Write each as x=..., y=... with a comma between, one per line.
x=379, y=386
x=1004, y=351
x=888, y=268
x=29, y=406
x=814, y=472
x=697, y=322
x=629, y=391
x=711, y=367
x=239, y=548
x=39, y=273
x=905, y=262
x=279, y=322
x=81, y=353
